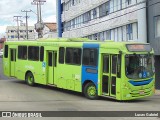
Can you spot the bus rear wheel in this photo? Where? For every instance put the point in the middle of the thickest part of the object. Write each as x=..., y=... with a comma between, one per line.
x=29, y=79
x=90, y=91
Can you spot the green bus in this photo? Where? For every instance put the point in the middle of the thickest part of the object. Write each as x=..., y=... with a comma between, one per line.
x=118, y=70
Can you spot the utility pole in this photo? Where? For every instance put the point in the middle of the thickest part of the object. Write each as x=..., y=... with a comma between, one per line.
x=26, y=21
x=39, y=25
x=17, y=19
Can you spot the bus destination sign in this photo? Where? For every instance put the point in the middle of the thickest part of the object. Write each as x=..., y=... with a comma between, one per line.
x=138, y=47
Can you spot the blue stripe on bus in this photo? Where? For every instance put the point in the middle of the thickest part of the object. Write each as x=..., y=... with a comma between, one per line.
x=90, y=72
x=90, y=45
x=139, y=83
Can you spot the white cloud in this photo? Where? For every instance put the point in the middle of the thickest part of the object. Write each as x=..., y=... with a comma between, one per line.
x=3, y=29
x=10, y=8
x=51, y=18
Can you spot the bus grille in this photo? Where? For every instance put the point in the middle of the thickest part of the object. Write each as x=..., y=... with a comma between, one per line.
x=137, y=93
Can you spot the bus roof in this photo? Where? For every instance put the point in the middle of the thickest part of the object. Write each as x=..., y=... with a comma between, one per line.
x=75, y=42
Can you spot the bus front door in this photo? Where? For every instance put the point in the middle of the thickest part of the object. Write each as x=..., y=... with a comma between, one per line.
x=52, y=59
x=12, y=61
x=109, y=75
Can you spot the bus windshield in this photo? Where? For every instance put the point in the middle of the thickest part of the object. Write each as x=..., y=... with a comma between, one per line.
x=139, y=66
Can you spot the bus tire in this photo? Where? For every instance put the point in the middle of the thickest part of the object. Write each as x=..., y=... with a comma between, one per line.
x=29, y=79
x=90, y=91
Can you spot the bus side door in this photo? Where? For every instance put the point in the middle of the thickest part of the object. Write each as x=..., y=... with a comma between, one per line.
x=52, y=63
x=12, y=61
x=109, y=75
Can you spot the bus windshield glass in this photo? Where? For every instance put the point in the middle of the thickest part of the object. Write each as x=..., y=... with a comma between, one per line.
x=139, y=66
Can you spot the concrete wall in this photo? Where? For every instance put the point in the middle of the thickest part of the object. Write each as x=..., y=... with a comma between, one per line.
x=153, y=10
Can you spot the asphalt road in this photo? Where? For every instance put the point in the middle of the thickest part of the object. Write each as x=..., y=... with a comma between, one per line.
x=15, y=95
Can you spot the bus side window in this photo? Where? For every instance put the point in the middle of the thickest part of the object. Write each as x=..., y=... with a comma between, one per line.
x=33, y=53
x=73, y=56
x=90, y=56
x=41, y=53
x=61, y=55
x=68, y=55
x=22, y=52
x=6, y=51
x=77, y=56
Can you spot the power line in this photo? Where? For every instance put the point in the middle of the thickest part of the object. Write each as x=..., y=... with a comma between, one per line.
x=26, y=21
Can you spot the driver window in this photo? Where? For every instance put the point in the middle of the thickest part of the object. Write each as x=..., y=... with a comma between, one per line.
x=133, y=63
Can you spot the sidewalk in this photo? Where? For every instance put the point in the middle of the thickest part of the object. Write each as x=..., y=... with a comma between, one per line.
x=157, y=92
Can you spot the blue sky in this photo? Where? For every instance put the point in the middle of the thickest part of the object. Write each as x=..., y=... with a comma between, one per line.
x=10, y=8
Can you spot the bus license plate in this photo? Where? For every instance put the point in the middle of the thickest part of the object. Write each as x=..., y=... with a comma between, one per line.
x=141, y=92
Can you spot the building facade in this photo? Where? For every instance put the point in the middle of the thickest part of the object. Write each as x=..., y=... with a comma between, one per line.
x=153, y=15
x=119, y=20
x=50, y=30
x=12, y=33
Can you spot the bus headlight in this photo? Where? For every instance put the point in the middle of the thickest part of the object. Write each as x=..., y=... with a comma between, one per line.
x=148, y=74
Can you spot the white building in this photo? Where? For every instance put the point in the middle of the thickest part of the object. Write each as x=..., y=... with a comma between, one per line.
x=119, y=20
x=50, y=30
x=12, y=33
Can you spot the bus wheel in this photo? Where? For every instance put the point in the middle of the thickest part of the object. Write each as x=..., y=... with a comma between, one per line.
x=90, y=91
x=30, y=79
